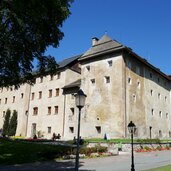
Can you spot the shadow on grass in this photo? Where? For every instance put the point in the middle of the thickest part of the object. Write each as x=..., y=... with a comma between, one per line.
x=44, y=166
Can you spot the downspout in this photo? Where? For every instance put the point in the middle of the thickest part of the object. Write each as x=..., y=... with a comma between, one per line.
x=63, y=130
x=125, y=97
x=27, y=112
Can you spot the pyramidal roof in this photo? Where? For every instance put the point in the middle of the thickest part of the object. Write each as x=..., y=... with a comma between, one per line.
x=104, y=45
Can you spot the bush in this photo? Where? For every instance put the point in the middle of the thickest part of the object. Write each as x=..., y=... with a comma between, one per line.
x=157, y=141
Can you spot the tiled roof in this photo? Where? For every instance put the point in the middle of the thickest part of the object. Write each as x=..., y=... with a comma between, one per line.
x=104, y=45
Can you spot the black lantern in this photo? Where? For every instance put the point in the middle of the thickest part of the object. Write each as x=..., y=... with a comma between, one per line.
x=80, y=99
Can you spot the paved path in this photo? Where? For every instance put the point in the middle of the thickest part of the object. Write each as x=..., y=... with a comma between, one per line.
x=116, y=163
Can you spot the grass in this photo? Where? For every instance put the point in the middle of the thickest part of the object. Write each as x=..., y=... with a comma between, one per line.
x=163, y=168
x=15, y=152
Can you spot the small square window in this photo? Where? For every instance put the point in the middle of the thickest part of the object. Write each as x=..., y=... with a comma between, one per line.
x=50, y=93
x=3, y=114
x=160, y=134
x=151, y=92
x=98, y=129
x=49, y=110
x=32, y=96
x=57, y=91
x=72, y=110
x=71, y=129
x=93, y=81
x=51, y=77
x=35, y=110
x=152, y=111
x=22, y=95
x=56, y=109
x=129, y=80
x=167, y=115
x=13, y=99
x=107, y=79
x=88, y=68
x=41, y=79
x=6, y=100
x=0, y=101
x=58, y=75
x=165, y=98
x=138, y=84
x=160, y=114
x=49, y=129
x=110, y=63
x=159, y=95
x=40, y=94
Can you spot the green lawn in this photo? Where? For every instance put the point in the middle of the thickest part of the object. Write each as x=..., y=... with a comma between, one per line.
x=164, y=168
x=15, y=152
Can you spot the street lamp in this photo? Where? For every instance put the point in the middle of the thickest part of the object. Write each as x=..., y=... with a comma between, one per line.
x=132, y=129
x=80, y=102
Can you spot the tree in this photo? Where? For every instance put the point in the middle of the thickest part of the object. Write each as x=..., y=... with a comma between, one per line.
x=13, y=124
x=27, y=28
x=6, y=122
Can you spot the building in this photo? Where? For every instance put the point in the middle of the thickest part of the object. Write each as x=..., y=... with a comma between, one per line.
x=120, y=87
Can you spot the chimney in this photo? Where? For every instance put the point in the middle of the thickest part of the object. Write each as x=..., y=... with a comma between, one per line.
x=94, y=41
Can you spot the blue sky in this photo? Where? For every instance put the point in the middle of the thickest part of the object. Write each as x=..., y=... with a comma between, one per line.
x=143, y=25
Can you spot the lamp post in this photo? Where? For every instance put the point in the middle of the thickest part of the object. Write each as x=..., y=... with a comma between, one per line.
x=132, y=129
x=80, y=102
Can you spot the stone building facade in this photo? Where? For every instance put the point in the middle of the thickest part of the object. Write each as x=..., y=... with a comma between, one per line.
x=120, y=87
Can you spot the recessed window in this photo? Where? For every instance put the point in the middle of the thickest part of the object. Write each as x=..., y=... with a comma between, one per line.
x=35, y=110
x=49, y=110
x=3, y=114
x=32, y=96
x=107, y=79
x=93, y=81
x=41, y=79
x=72, y=110
x=152, y=111
x=160, y=114
x=13, y=99
x=167, y=115
x=88, y=68
x=98, y=129
x=165, y=98
x=58, y=75
x=129, y=80
x=138, y=84
x=40, y=94
x=71, y=129
x=56, y=109
x=159, y=95
x=110, y=63
x=57, y=91
x=0, y=101
x=50, y=93
x=51, y=77
x=11, y=88
x=49, y=129
x=6, y=100
x=72, y=96
x=134, y=97
x=22, y=95
x=151, y=92
x=160, y=134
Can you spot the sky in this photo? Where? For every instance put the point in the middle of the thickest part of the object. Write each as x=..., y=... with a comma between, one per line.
x=142, y=25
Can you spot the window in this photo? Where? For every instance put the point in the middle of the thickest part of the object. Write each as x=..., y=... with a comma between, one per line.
x=56, y=109
x=72, y=110
x=35, y=110
x=98, y=129
x=71, y=129
x=40, y=94
x=22, y=95
x=6, y=100
x=165, y=98
x=32, y=96
x=13, y=99
x=110, y=63
x=50, y=93
x=58, y=75
x=72, y=96
x=88, y=68
x=49, y=110
x=11, y=88
x=49, y=129
x=152, y=111
x=151, y=92
x=160, y=134
x=134, y=97
x=138, y=70
x=41, y=79
x=151, y=75
x=51, y=77
x=0, y=101
x=138, y=84
x=167, y=115
x=93, y=81
x=129, y=80
x=159, y=95
x=3, y=114
x=107, y=79
x=57, y=91
x=169, y=134
x=160, y=114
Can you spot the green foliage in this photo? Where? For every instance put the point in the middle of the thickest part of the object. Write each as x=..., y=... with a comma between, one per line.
x=13, y=124
x=27, y=28
x=147, y=148
x=157, y=141
x=6, y=123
